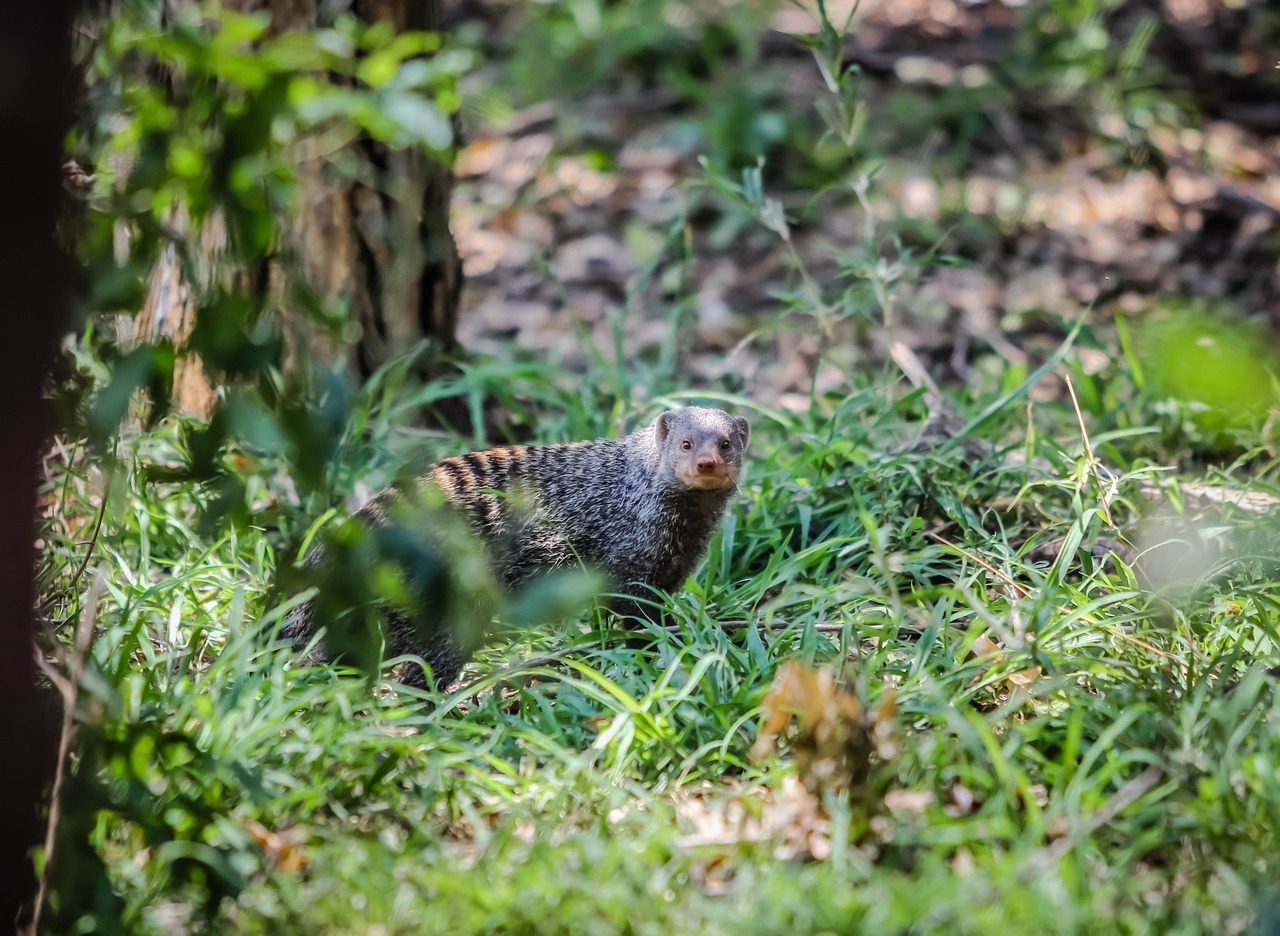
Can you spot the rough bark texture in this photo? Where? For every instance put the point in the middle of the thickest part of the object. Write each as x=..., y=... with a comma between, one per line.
x=383, y=241
x=33, y=117
x=383, y=244
x=169, y=311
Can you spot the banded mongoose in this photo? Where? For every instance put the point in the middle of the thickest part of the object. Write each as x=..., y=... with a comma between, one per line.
x=640, y=509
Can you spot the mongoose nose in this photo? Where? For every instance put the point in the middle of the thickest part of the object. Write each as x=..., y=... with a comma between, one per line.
x=706, y=466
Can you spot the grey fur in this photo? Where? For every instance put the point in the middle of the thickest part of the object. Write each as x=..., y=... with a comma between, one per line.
x=641, y=509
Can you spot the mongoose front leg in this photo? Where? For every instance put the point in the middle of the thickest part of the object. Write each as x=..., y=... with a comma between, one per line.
x=638, y=613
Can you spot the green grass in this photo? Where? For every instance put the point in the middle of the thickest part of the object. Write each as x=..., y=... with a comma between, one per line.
x=549, y=802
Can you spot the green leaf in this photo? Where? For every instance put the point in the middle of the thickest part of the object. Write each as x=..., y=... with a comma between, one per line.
x=420, y=119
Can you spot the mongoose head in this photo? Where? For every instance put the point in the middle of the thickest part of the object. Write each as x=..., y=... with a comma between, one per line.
x=701, y=448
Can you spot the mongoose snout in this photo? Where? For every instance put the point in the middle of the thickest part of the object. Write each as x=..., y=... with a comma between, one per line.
x=706, y=444
x=709, y=471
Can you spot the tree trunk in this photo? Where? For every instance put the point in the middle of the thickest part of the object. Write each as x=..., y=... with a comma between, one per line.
x=383, y=241
x=374, y=239
x=169, y=311
x=33, y=118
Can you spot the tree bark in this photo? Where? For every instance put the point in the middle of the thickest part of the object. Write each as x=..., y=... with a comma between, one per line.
x=33, y=118
x=169, y=311
x=382, y=241
x=374, y=239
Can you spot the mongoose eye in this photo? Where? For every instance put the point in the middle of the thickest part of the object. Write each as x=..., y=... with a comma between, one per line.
x=725, y=444
x=686, y=444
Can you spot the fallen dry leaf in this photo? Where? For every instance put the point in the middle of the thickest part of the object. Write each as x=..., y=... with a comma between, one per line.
x=984, y=646
x=790, y=818
x=1025, y=677
x=913, y=801
x=836, y=738
x=283, y=849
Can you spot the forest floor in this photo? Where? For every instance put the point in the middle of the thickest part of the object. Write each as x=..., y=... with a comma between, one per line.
x=589, y=214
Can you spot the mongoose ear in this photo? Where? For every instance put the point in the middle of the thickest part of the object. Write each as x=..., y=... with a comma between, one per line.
x=662, y=426
x=743, y=428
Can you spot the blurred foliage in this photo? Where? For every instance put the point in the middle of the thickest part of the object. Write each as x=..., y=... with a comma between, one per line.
x=648, y=44
x=1095, y=54
x=1221, y=376
x=206, y=112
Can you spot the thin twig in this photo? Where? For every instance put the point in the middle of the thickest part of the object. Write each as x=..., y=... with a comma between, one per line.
x=560, y=654
x=775, y=626
x=1128, y=794
x=974, y=557
x=519, y=671
x=1091, y=465
x=1252, y=501
x=93, y=540
x=70, y=691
